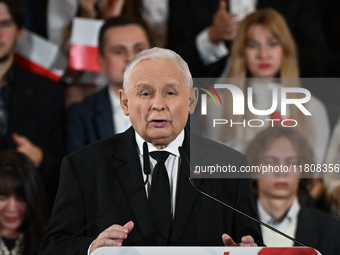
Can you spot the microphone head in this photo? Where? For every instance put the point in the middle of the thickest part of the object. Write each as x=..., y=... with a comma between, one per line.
x=146, y=159
x=185, y=162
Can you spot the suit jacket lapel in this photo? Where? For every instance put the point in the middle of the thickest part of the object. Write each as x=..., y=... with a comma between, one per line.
x=104, y=116
x=186, y=194
x=129, y=172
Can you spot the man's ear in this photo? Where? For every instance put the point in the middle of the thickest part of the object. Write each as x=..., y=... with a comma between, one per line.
x=124, y=101
x=193, y=99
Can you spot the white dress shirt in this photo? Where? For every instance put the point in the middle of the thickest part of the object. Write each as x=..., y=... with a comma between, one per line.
x=210, y=52
x=171, y=164
x=121, y=122
x=287, y=225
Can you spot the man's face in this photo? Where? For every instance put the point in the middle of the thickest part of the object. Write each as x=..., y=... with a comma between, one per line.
x=121, y=44
x=280, y=185
x=157, y=100
x=9, y=33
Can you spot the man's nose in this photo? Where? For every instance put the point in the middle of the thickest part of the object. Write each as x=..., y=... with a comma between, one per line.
x=129, y=56
x=281, y=170
x=159, y=102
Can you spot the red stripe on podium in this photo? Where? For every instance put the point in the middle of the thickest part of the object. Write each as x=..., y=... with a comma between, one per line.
x=288, y=251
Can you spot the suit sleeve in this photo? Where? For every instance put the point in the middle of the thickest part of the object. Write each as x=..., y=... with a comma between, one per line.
x=184, y=26
x=75, y=129
x=68, y=217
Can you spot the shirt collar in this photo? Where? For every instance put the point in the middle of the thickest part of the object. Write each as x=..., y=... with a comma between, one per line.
x=114, y=99
x=291, y=215
x=172, y=147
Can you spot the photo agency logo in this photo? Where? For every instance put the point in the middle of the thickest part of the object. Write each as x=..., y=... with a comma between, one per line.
x=204, y=97
x=277, y=112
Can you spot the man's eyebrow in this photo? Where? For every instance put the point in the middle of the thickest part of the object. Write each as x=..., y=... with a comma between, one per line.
x=138, y=44
x=172, y=84
x=143, y=85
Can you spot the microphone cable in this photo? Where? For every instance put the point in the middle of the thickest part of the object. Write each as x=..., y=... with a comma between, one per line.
x=185, y=161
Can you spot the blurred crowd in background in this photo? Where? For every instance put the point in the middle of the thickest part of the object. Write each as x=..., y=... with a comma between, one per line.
x=267, y=42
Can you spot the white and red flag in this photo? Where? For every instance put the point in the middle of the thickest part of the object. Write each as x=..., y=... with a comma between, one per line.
x=40, y=56
x=84, y=45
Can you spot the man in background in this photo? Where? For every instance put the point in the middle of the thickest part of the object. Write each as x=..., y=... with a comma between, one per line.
x=100, y=115
x=31, y=106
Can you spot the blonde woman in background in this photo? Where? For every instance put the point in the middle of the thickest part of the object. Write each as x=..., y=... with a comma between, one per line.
x=265, y=51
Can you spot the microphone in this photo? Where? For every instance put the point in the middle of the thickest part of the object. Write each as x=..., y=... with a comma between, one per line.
x=146, y=170
x=146, y=161
x=186, y=167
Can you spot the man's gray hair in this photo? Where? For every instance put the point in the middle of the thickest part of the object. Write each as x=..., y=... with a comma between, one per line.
x=157, y=54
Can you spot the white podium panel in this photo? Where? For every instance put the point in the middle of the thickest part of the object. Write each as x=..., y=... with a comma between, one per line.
x=204, y=250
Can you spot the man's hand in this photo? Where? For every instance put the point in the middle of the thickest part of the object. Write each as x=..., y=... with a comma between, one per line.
x=112, y=236
x=25, y=146
x=245, y=241
x=113, y=8
x=88, y=9
x=225, y=24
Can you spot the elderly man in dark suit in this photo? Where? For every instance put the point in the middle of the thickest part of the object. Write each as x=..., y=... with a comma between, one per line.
x=99, y=115
x=158, y=97
x=31, y=106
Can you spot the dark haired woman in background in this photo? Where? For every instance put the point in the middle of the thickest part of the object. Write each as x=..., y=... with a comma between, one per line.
x=22, y=205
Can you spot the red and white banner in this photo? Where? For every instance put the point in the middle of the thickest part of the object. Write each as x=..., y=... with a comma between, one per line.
x=84, y=45
x=40, y=56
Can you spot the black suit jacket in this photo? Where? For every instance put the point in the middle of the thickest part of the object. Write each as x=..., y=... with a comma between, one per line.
x=89, y=121
x=36, y=110
x=102, y=174
x=318, y=230
x=187, y=18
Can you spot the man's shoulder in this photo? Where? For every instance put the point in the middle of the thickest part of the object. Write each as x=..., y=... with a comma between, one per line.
x=213, y=148
x=23, y=74
x=107, y=147
x=92, y=101
x=314, y=219
x=317, y=215
x=35, y=81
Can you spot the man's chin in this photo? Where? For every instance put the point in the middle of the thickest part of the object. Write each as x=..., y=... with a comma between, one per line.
x=161, y=141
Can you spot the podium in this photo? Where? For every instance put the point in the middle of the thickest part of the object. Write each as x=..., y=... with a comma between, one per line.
x=204, y=250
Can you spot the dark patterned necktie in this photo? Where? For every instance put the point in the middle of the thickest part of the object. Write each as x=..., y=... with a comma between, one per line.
x=160, y=198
